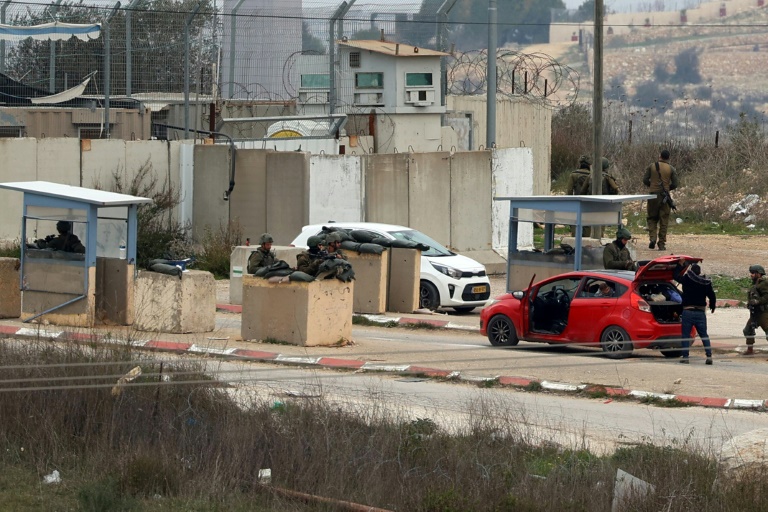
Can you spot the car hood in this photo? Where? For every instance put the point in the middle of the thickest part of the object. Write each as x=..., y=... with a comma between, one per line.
x=662, y=269
x=457, y=261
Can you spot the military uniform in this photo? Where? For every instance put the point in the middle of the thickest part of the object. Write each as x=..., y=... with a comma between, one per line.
x=308, y=262
x=608, y=186
x=575, y=187
x=260, y=258
x=757, y=300
x=64, y=241
x=335, y=238
x=616, y=255
x=657, y=211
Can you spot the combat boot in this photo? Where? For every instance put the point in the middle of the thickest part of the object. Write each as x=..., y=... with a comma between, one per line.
x=750, y=351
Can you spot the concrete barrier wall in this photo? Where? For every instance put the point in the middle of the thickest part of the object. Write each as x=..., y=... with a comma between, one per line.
x=429, y=194
x=471, y=194
x=249, y=202
x=386, y=188
x=521, y=124
x=287, y=195
x=211, y=180
x=510, y=171
x=335, y=189
x=18, y=162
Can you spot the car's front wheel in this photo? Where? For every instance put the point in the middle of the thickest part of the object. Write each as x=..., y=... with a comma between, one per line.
x=615, y=342
x=429, y=297
x=501, y=332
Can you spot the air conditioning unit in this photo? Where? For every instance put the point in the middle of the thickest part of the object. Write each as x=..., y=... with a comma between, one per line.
x=420, y=97
x=314, y=97
x=369, y=99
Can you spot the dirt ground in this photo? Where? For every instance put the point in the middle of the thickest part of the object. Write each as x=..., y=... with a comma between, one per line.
x=726, y=255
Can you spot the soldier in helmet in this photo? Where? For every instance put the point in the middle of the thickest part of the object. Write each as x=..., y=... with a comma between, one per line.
x=65, y=241
x=608, y=187
x=264, y=256
x=575, y=186
x=616, y=255
x=309, y=261
x=757, y=301
x=333, y=240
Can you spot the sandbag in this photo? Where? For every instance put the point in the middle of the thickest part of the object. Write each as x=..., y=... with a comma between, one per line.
x=278, y=265
x=163, y=268
x=340, y=269
x=351, y=246
x=407, y=244
x=301, y=276
x=370, y=249
x=343, y=233
x=384, y=242
x=279, y=273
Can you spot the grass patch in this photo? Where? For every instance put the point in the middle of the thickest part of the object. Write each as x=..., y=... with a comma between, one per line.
x=534, y=386
x=663, y=402
x=10, y=249
x=420, y=325
x=595, y=391
x=731, y=288
x=365, y=321
x=275, y=341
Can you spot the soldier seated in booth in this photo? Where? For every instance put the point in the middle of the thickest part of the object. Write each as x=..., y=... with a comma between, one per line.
x=65, y=241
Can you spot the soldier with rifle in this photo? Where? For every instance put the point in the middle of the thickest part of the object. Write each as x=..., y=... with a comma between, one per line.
x=757, y=301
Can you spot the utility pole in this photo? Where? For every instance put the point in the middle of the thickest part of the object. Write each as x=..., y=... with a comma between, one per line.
x=597, y=110
x=490, y=122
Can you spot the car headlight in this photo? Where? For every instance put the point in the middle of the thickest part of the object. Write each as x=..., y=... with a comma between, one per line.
x=449, y=271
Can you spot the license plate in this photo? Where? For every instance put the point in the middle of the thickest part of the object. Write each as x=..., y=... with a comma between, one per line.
x=478, y=289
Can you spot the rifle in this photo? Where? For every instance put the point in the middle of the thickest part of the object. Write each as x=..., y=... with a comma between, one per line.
x=665, y=197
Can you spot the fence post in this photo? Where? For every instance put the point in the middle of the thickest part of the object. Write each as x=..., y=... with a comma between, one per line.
x=186, y=70
x=107, y=68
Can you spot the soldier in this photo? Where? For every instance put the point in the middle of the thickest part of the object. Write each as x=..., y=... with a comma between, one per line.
x=308, y=261
x=616, y=255
x=659, y=177
x=264, y=256
x=757, y=301
x=609, y=186
x=578, y=177
x=333, y=240
x=64, y=241
x=575, y=186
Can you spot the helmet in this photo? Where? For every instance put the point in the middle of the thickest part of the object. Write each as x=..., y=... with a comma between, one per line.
x=606, y=164
x=623, y=233
x=585, y=159
x=332, y=237
x=63, y=226
x=756, y=268
x=266, y=238
x=314, y=241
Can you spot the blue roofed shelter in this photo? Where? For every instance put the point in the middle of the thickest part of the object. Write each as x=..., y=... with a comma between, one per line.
x=579, y=211
x=66, y=286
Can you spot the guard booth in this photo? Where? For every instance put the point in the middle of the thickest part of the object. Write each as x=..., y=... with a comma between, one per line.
x=579, y=211
x=71, y=288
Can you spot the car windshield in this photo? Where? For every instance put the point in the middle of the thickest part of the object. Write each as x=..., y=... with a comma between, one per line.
x=411, y=235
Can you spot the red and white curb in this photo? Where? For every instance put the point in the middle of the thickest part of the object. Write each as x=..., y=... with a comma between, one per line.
x=335, y=363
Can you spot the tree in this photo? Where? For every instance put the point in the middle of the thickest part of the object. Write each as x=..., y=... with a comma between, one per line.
x=586, y=11
x=158, y=46
x=687, y=67
x=519, y=21
x=369, y=33
x=310, y=43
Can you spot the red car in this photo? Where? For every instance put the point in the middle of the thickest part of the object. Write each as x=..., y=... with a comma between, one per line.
x=618, y=310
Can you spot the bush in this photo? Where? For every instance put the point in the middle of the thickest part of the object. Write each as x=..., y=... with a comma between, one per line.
x=217, y=246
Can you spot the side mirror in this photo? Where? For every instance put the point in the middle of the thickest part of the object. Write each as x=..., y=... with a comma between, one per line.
x=518, y=294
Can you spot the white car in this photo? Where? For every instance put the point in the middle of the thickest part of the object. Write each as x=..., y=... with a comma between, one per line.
x=447, y=279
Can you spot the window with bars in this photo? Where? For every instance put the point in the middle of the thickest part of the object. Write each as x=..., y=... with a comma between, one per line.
x=354, y=59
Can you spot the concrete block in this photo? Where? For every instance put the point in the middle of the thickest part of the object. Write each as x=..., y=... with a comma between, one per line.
x=493, y=262
x=165, y=303
x=114, y=291
x=371, y=281
x=238, y=266
x=304, y=314
x=404, y=280
x=10, y=294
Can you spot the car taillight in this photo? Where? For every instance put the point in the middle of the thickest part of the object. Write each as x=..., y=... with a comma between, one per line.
x=639, y=303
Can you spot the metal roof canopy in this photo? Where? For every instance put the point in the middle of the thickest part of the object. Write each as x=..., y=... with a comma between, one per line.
x=77, y=194
x=45, y=194
x=598, y=210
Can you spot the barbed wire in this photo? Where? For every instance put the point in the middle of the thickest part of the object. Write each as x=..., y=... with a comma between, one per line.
x=535, y=77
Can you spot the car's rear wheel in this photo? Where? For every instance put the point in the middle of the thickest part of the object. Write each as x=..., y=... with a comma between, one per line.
x=615, y=342
x=672, y=351
x=501, y=332
x=429, y=297
x=463, y=309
